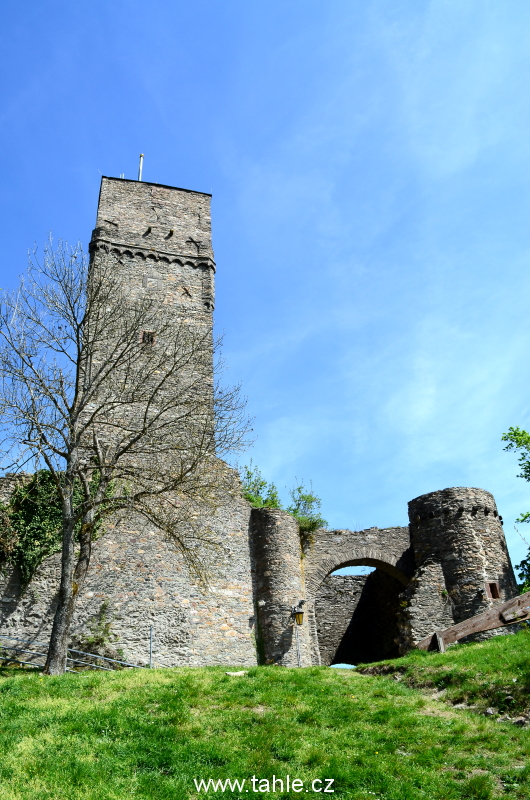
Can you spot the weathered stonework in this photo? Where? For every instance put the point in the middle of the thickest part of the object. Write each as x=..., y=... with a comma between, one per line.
x=278, y=587
x=145, y=582
x=425, y=606
x=335, y=604
x=461, y=529
x=450, y=564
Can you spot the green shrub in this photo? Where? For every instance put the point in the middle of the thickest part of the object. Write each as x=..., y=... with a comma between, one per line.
x=32, y=523
x=256, y=490
x=305, y=508
x=305, y=505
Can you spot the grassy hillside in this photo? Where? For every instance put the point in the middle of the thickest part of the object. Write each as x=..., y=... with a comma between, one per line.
x=493, y=674
x=149, y=734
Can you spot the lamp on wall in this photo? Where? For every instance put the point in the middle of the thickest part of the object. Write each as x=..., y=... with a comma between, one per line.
x=298, y=612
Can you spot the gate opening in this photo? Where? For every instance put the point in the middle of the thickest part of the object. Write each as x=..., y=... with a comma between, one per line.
x=356, y=616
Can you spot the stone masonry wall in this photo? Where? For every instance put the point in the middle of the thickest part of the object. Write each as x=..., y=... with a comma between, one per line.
x=426, y=606
x=145, y=582
x=278, y=586
x=10, y=482
x=460, y=528
x=160, y=235
x=335, y=604
x=357, y=617
x=154, y=243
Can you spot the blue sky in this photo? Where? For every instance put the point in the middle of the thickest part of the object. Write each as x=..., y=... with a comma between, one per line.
x=370, y=170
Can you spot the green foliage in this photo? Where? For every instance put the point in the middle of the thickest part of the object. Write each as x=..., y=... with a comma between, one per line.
x=519, y=440
x=305, y=507
x=32, y=523
x=36, y=522
x=523, y=570
x=256, y=490
x=147, y=734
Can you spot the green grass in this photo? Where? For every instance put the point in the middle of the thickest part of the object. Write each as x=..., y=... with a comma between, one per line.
x=495, y=673
x=148, y=734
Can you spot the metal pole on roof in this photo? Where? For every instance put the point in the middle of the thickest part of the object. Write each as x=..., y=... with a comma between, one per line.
x=140, y=166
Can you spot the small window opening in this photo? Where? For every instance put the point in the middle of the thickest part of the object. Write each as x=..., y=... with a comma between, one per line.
x=493, y=590
x=148, y=337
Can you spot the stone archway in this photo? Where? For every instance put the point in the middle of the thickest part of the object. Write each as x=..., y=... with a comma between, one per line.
x=355, y=617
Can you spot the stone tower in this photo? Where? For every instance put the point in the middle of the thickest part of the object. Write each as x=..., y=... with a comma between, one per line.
x=160, y=237
x=462, y=561
x=152, y=246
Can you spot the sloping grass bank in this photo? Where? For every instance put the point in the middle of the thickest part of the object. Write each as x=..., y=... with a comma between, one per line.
x=149, y=734
x=493, y=674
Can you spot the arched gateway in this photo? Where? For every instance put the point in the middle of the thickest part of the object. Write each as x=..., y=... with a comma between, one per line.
x=437, y=571
x=356, y=616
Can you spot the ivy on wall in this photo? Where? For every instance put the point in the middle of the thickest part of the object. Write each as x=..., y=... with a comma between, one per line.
x=32, y=524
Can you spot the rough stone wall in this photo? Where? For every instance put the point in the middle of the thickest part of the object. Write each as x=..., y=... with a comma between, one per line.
x=425, y=606
x=278, y=586
x=382, y=592
x=145, y=581
x=9, y=482
x=335, y=603
x=461, y=529
x=357, y=617
x=161, y=237
x=330, y=550
x=154, y=243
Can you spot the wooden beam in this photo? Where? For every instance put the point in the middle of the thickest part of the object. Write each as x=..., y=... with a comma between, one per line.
x=499, y=615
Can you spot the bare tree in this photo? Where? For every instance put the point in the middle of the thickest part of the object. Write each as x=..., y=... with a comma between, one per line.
x=116, y=395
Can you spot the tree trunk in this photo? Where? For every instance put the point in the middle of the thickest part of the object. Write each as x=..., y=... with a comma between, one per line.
x=72, y=581
x=58, y=648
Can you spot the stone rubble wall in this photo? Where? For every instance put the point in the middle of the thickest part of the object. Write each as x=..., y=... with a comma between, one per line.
x=144, y=580
x=460, y=528
x=10, y=482
x=426, y=606
x=150, y=215
x=357, y=617
x=278, y=586
x=335, y=604
x=160, y=242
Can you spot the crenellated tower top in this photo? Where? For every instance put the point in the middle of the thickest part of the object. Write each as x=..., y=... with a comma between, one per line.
x=161, y=237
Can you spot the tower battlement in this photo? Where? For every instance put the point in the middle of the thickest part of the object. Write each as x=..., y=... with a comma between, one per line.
x=160, y=238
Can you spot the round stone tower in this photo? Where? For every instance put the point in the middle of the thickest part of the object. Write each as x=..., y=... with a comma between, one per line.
x=461, y=529
x=278, y=587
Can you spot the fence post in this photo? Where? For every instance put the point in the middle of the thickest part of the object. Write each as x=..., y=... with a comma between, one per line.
x=151, y=647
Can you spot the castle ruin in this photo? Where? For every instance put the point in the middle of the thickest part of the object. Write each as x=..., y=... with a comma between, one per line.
x=450, y=563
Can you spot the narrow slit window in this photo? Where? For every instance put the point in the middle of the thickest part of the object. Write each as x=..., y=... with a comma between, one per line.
x=493, y=590
x=148, y=337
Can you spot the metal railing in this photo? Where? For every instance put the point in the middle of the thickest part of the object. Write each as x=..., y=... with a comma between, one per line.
x=7, y=659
